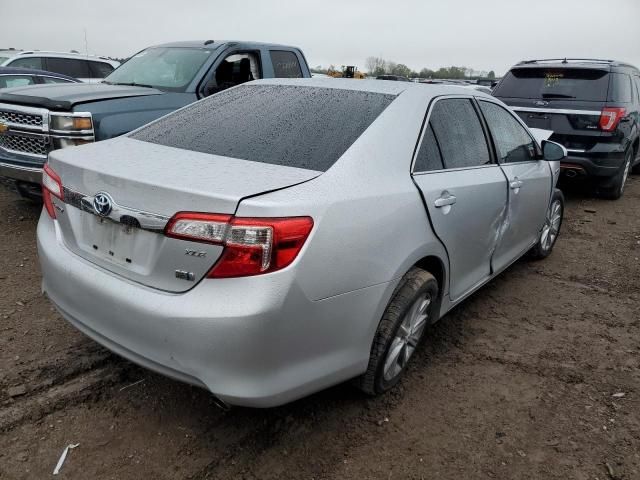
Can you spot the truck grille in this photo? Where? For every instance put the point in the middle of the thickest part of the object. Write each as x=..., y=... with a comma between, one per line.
x=30, y=145
x=21, y=118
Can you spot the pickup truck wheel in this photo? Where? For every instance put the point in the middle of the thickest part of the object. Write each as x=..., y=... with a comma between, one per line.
x=411, y=310
x=615, y=191
x=551, y=229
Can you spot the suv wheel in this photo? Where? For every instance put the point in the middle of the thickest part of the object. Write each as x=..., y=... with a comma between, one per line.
x=620, y=180
x=551, y=229
x=402, y=327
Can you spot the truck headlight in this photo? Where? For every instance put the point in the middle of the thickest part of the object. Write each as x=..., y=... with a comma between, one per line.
x=65, y=142
x=71, y=123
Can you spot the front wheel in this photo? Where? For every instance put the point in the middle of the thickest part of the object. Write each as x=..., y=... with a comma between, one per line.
x=551, y=229
x=403, y=324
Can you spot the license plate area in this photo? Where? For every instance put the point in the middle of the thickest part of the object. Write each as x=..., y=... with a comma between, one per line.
x=124, y=245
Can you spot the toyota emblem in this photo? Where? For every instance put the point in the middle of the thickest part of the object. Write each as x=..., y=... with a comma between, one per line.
x=102, y=204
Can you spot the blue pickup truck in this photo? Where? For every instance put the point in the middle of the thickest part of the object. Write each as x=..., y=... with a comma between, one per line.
x=35, y=120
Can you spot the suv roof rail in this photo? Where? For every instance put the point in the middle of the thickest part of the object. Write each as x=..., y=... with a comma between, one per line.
x=30, y=52
x=567, y=60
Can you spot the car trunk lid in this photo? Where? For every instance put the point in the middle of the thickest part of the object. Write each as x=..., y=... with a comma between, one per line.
x=143, y=192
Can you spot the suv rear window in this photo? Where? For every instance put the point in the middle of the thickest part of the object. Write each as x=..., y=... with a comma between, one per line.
x=294, y=126
x=555, y=83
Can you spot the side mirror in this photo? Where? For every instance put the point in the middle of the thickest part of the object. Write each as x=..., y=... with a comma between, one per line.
x=553, y=152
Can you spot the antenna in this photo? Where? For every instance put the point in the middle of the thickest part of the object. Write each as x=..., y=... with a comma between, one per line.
x=86, y=52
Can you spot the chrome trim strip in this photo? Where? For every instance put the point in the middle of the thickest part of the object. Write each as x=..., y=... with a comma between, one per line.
x=120, y=214
x=556, y=110
x=43, y=112
x=17, y=172
x=575, y=150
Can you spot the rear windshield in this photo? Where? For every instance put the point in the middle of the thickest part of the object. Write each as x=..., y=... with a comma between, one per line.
x=548, y=83
x=295, y=126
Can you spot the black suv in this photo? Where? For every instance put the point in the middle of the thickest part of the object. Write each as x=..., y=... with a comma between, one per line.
x=593, y=109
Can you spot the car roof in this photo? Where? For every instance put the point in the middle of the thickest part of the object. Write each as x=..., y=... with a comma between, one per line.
x=574, y=63
x=51, y=54
x=214, y=44
x=31, y=71
x=389, y=87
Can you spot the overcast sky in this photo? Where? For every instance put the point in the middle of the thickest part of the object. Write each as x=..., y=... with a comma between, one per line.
x=481, y=34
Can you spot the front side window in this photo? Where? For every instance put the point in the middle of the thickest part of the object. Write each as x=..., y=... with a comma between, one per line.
x=69, y=66
x=165, y=68
x=512, y=141
x=28, y=62
x=459, y=132
x=8, y=81
x=235, y=69
x=285, y=64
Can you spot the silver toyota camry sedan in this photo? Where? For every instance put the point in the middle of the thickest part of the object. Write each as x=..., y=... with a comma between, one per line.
x=287, y=235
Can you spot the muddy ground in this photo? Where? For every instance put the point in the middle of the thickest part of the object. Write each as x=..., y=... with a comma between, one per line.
x=536, y=376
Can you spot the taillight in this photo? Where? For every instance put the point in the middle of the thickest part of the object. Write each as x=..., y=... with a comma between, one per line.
x=252, y=246
x=610, y=118
x=51, y=185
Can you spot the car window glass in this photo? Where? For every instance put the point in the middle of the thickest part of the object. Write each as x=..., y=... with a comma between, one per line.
x=28, y=62
x=54, y=80
x=428, y=157
x=554, y=83
x=459, y=133
x=637, y=81
x=8, y=81
x=512, y=141
x=285, y=64
x=271, y=124
x=100, y=69
x=69, y=66
x=235, y=69
x=620, y=88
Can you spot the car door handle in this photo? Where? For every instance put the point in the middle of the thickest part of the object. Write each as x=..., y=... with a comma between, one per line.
x=445, y=200
x=515, y=184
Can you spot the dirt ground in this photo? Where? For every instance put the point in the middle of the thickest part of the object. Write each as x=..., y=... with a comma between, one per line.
x=536, y=376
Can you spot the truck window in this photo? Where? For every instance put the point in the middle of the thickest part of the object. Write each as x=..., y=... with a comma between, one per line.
x=235, y=69
x=69, y=66
x=285, y=64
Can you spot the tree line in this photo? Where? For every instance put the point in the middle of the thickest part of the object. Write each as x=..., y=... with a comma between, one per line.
x=376, y=66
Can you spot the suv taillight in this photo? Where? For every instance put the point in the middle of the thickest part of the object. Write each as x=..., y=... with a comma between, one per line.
x=51, y=185
x=610, y=118
x=252, y=246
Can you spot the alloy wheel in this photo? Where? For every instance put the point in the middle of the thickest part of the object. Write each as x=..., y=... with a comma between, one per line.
x=551, y=225
x=407, y=337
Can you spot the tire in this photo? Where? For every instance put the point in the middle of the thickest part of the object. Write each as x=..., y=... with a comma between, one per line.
x=396, y=334
x=617, y=184
x=551, y=229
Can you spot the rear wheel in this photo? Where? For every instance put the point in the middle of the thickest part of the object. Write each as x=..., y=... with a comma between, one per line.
x=401, y=329
x=616, y=189
x=551, y=229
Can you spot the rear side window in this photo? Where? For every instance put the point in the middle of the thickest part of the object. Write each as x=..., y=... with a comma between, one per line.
x=620, y=88
x=69, y=66
x=459, y=133
x=513, y=142
x=100, y=69
x=8, y=81
x=28, y=62
x=429, y=157
x=294, y=126
x=548, y=83
x=285, y=64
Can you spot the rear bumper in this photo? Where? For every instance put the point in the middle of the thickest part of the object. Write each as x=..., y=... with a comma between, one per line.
x=592, y=164
x=256, y=341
